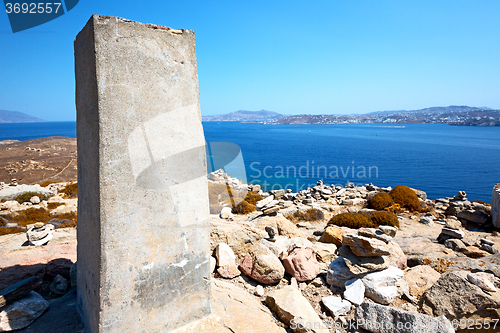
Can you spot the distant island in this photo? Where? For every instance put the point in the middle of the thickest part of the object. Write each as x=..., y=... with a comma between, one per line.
x=246, y=116
x=17, y=117
x=451, y=115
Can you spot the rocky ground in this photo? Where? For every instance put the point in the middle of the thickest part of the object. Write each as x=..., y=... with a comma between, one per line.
x=276, y=270
x=38, y=160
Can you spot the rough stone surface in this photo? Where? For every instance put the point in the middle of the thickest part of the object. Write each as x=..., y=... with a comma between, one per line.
x=378, y=318
x=336, y=305
x=22, y=312
x=420, y=278
x=333, y=235
x=226, y=261
x=388, y=230
x=366, y=247
x=289, y=304
x=18, y=290
x=482, y=280
x=143, y=232
x=262, y=265
x=381, y=286
x=473, y=216
x=454, y=297
x=354, y=291
x=495, y=206
x=362, y=265
x=338, y=273
x=325, y=252
x=301, y=263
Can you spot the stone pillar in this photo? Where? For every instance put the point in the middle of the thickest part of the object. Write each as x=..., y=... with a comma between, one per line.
x=143, y=217
x=495, y=206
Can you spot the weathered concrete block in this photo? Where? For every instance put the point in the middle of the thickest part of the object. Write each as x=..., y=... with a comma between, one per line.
x=495, y=206
x=143, y=231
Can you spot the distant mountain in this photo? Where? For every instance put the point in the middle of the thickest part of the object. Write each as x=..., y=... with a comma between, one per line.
x=243, y=115
x=452, y=115
x=17, y=117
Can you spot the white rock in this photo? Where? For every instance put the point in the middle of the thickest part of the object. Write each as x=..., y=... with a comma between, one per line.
x=381, y=286
x=263, y=202
x=259, y=290
x=482, y=280
x=225, y=213
x=459, y=234
x=22, y=312
x=213, y=264
x=354, y=291
x=225, y=255
x=336, y=305
x=35, y=200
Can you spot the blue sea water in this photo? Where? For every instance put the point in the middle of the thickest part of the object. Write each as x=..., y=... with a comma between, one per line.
x=438, y=159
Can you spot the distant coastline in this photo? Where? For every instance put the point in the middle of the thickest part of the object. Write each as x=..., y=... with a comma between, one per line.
x=11, y=117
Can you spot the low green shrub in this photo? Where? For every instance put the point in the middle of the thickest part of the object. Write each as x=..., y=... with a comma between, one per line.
x=381, y=200
x=352, y=220
x=406, y=197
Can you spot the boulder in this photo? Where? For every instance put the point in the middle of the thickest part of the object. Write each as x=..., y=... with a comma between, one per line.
x=388, y=230
x=325, y=252
x=397, y=257
x=374, y=233
x=381, y=286
x=226, y=261
x=454, y=296
x=455, y=244
x=475, y=252
x=260, y=204
x=295, y=310
x=22, y=312
x=420, y=278
x=333, y=235
x=453, y=223
x=18, y=290
x=366, y=247
x=378, y=318
x=453, y=233
x=354, y=291
x=362, y=265
x=336, y=305
x=338, y=273
x=482, y=280
x=226, y=213
x=427, y=220
x=11, y=192
x=59, y=285
x=473, y=216
x=281, y=244
x=262, y=265
x=301, y=263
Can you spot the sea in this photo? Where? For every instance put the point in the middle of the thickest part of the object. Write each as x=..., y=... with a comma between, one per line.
x=438, y=159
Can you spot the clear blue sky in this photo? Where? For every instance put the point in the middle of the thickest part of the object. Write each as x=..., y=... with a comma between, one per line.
x=335, y=56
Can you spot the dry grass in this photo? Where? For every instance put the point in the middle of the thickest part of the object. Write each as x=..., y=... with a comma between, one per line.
x=71, y=190
x=53, y=205
x=311, y=215
x=33, y=215
x=352, y=220
x=26, y=196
